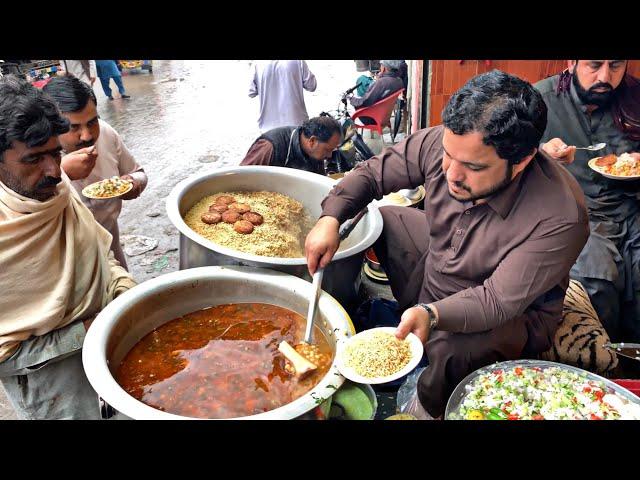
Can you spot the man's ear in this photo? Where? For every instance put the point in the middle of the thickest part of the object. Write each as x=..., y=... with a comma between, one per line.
x=313, y=141
x=571, y=64
x=519, y=167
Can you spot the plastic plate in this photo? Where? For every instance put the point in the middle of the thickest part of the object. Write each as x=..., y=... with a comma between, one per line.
x=85, y=191
x=594, y=167
x=417, y=350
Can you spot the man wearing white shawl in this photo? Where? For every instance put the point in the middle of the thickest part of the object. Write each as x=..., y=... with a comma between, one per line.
x=56, y=270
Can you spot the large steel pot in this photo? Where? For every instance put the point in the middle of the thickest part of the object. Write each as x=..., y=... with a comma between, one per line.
x=135, y=313
x=308, y=188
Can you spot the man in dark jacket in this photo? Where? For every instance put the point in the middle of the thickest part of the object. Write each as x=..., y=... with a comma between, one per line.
x=304, y=147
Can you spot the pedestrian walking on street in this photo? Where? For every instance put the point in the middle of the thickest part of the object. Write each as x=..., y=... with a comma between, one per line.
x=108, y=69
x=279, y=84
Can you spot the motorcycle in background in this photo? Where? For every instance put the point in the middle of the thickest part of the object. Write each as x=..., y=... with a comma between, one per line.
x=353, y=148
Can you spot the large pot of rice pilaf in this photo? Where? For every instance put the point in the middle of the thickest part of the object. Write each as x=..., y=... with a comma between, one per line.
x=146, y=308
x=307, y=188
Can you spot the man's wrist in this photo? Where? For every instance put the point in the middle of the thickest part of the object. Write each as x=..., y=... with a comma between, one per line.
x=543, y=152
x=139, y=177
x=329, y=220
x=432, y=316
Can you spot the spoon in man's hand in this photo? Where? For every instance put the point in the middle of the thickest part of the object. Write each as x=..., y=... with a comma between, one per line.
x=593, y=148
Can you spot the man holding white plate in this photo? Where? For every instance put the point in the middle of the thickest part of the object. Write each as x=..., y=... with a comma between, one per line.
x=94, y=151
x=481, y=273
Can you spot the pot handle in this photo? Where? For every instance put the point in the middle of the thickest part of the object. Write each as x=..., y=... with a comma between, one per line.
x=349, y=225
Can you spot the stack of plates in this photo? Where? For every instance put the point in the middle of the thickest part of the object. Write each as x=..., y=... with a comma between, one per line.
x=377, y=276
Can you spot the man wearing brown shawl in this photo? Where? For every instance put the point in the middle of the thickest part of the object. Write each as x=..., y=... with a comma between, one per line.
x=596, y=101
x=56, y=272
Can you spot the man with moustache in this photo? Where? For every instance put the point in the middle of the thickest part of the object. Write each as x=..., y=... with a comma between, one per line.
x=56, y=273
x=94, y=151
x=305, y=147
x=596, y=101
x=481, y=273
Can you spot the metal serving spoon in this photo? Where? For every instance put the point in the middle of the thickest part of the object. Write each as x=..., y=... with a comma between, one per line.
x=300, y=364
x=345, y=230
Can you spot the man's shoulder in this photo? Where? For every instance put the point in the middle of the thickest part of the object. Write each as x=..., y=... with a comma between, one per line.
x=430, y=134
x=107, y=129
x=547, y=85
x=427, y=145
x=558, y=191
x=276, y=133
x=391, y=81
x=109, y=140
x=429, y=138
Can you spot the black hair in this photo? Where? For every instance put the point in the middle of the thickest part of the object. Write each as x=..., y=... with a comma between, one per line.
x=27, y=115
x=509, y=113
x=323, y=128
x=70, y=93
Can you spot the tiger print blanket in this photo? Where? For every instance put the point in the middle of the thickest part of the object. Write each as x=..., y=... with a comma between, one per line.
x=580, y=338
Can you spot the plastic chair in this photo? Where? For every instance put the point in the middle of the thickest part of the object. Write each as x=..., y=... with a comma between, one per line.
x=380, y=112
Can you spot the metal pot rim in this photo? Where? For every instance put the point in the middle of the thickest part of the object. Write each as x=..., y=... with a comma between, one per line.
x=173, y=211
x=94, y=351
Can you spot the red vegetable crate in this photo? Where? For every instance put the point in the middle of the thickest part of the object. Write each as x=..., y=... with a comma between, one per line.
x=632, y=385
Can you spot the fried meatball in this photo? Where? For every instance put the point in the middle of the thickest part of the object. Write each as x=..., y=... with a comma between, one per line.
x=243, y=226
x=218, y=207
x=225, y=199
x=240, y=207
x=230, y=216
x=608, y=160
x=211, y=218
x=253, y=217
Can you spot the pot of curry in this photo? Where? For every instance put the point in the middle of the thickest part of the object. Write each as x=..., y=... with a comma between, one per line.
x=202, y=343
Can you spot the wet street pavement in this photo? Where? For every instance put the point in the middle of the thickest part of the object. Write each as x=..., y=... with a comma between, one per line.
x=189, y=117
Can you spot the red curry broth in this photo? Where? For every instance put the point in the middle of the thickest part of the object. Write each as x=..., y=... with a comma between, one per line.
x=220, y=362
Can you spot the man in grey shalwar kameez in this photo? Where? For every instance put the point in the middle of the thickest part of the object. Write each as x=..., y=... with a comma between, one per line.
x=584, y=108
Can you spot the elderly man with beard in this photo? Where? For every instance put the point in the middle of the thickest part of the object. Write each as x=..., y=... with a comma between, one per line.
x=482, y=272
x=56, y=271
x=94, y=151
x=389, y=80
x=596, y=101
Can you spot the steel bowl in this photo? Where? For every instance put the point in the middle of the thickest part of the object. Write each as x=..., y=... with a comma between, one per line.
x=135, y=313
x=308, y=188
x=373, y=262
x=459, y=394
